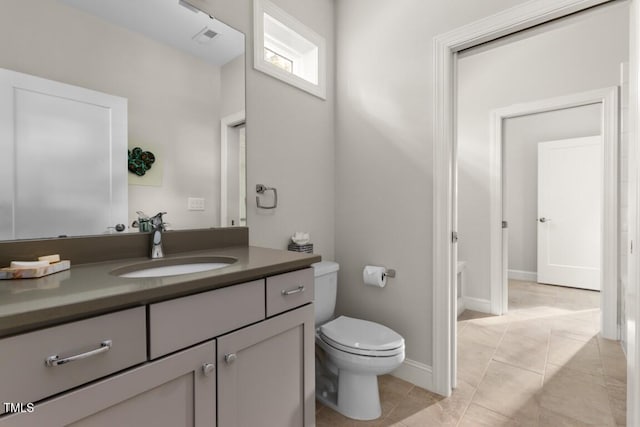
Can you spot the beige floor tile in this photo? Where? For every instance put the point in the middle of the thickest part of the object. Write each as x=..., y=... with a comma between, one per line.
x=473, y=360
x=610, y=348
x=470, y=315
x=477, y=416
x=443, y=412
x=535, y=328
x=575, y=328
x=487, y=335
x=554, y=372
x=528, y=352
x=582, y=400
x=510, y=391
x=478, y=318
x=615, y=367
x=392, y=391
x=618, y=400
x=327, y=417
x=551, y=419
x=575, y=354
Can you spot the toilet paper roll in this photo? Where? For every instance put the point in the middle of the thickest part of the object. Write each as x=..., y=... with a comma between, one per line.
x=374, y=276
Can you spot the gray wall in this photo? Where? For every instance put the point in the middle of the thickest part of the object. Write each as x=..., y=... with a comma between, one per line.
x=290, y=136
x=384, y=156
x=232, y=86
x=577, y=54
x=521, y=137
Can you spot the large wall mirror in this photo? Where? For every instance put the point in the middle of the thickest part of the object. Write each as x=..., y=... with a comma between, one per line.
x=83, y=83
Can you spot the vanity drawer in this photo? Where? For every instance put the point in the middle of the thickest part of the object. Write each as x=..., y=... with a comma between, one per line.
x=289, y=290
x=29, y=371
x=182, y=322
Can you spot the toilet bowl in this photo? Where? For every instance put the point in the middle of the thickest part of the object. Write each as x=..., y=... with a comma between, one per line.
x=351, y=353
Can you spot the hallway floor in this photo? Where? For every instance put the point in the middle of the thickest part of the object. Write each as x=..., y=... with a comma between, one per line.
x=542, y=364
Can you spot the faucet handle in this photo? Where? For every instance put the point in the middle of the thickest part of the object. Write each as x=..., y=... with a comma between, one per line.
x=156, y=220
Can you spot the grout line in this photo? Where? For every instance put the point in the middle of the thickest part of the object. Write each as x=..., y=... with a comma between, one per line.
x=546, y=358
x=475, y=388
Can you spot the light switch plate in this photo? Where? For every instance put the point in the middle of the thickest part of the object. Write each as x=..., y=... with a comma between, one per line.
x=195, y=203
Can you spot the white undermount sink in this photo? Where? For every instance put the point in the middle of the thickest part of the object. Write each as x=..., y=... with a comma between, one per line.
x=173, y=267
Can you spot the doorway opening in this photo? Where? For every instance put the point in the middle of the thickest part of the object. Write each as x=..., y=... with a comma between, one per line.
x=233, y=171
x=447, y=47
x=593, y=112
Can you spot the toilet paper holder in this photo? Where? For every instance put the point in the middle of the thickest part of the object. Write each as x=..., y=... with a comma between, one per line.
x=390, y=273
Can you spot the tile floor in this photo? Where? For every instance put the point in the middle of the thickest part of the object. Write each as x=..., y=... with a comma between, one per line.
x=543, y=364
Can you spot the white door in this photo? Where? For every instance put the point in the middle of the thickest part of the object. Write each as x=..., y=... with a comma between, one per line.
x=569, y=212
x=79, y=136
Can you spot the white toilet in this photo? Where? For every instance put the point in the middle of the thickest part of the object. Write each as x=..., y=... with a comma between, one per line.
x=351, y=353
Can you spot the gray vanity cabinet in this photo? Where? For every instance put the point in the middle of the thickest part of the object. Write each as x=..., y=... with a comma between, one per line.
x=238, y=356
x=266, y=373
x=178, y=390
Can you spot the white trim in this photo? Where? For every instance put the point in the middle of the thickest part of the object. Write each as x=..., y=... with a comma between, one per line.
x=225, y=123
x=416, y=373
x=632, y=302
x=609, y=274
x=527, y=276
x=260, y=7
x=445, y=46
x=477, y=304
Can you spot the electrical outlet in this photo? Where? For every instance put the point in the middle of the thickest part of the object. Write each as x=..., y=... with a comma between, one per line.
x=195, y=203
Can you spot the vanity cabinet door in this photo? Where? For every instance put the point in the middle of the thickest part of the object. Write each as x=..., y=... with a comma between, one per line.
x=266, y=373
x=176, y=391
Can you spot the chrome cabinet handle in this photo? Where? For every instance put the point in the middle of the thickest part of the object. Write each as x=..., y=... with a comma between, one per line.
x=208, y=369
x=293, y=291
x=55, y=360
x=230, y=358
x=543, y=219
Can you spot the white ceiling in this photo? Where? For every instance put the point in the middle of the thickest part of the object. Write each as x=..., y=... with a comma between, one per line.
x=168, y=22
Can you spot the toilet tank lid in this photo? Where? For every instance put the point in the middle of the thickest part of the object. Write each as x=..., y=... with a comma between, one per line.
x=324, y=267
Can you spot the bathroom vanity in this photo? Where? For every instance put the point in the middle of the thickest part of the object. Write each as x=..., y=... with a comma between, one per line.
x=228, y=347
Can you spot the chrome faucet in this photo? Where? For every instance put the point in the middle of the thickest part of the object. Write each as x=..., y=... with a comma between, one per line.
x=157, y=227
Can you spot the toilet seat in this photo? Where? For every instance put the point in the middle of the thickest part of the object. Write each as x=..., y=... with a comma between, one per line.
x=361, y=337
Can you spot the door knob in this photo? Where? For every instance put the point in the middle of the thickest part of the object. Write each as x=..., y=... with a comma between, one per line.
x=543, y=219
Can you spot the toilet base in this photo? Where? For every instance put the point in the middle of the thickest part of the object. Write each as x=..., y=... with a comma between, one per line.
x=357, y=396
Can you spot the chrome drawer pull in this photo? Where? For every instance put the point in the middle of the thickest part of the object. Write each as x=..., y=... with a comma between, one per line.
x=56, y=361
x=293, y=291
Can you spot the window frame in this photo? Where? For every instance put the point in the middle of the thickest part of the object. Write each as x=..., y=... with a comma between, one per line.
x=262, y=7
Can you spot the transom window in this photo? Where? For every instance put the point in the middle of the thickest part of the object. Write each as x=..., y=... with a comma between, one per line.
x=288, y=50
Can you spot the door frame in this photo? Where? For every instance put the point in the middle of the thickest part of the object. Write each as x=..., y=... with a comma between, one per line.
x=609, y=273
x=445, y=49
x=226, y=123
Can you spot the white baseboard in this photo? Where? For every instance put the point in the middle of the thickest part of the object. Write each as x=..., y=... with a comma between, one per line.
x=477, y=304
x=416, y=373
x=529, y=276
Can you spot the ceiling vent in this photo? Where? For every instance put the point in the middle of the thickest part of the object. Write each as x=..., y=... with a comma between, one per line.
x=205, y=36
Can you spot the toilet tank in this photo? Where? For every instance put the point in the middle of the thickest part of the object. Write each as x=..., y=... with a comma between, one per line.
x=326, y=288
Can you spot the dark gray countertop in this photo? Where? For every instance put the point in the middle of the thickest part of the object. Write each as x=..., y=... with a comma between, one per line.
x=89, y=289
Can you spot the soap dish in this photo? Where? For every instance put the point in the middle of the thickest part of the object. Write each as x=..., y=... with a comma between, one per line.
x=35, y=272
